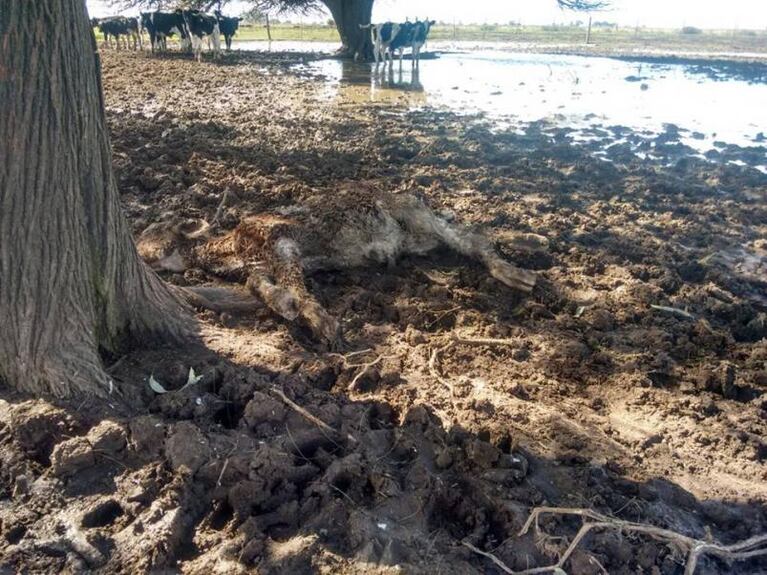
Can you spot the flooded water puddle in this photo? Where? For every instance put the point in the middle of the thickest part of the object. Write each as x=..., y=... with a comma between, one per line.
x=663, y=110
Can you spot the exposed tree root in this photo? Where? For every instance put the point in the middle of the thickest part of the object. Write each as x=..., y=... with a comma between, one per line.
x=695, y=548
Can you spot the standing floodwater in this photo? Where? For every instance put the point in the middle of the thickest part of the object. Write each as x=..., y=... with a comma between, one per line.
x=646, y=108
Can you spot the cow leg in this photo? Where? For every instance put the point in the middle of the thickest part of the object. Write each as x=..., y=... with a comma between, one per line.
x=291, y=304
x=265, y=245
x=284, y=291
x=420, y=220
x=377, y=51
x=216, y=42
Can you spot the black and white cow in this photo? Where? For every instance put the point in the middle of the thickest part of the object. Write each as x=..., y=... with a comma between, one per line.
x=228, y=27
x=420, y=36
x=160, y=25
x=200, y=26
x=119, y=26
x=388, y=38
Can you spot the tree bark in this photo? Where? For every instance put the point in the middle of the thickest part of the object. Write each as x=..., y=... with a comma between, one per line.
x=71, y=281
x=349, y=15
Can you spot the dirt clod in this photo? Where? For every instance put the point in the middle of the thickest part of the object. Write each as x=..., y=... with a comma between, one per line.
x=71, y=456
x=186, y=447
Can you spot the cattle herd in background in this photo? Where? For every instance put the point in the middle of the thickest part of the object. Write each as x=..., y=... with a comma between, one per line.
x=390, y=38
x=193, y=28
x=118, y=27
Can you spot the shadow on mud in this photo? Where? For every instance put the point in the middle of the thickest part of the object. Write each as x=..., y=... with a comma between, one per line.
x=225, y=470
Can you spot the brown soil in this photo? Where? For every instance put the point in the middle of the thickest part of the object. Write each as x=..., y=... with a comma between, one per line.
x=595, y=399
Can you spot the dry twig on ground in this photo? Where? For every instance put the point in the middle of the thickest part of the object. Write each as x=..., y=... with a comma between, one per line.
x=365, y=367
x=488, y=341
x=313, y=418
x=435, y=372
x=673, y=311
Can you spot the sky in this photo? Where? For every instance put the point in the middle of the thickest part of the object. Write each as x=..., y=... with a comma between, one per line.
x=653, y=13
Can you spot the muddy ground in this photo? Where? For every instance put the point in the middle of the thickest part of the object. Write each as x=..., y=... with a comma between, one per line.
x=594, y=399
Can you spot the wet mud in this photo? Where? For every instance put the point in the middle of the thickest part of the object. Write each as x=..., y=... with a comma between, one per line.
x=631, y=381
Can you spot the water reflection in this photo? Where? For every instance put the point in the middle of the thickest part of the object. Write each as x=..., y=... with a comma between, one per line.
x=408, y=82
x=361, y=82
x=649, y=107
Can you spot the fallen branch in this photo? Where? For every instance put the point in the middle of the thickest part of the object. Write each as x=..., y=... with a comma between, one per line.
x=696, y=548
x=313, y=418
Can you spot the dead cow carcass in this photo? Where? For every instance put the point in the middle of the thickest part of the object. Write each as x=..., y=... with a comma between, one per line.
x=355, y=228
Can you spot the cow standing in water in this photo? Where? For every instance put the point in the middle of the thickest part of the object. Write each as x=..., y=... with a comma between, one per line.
x=228, y=27
x=420, y=36
x=388, y=38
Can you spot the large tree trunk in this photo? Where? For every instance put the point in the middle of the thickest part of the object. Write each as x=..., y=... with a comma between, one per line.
x=71, y=282
x=349, y=15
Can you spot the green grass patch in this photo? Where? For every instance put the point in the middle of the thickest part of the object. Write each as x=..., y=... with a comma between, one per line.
x=609, y=38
